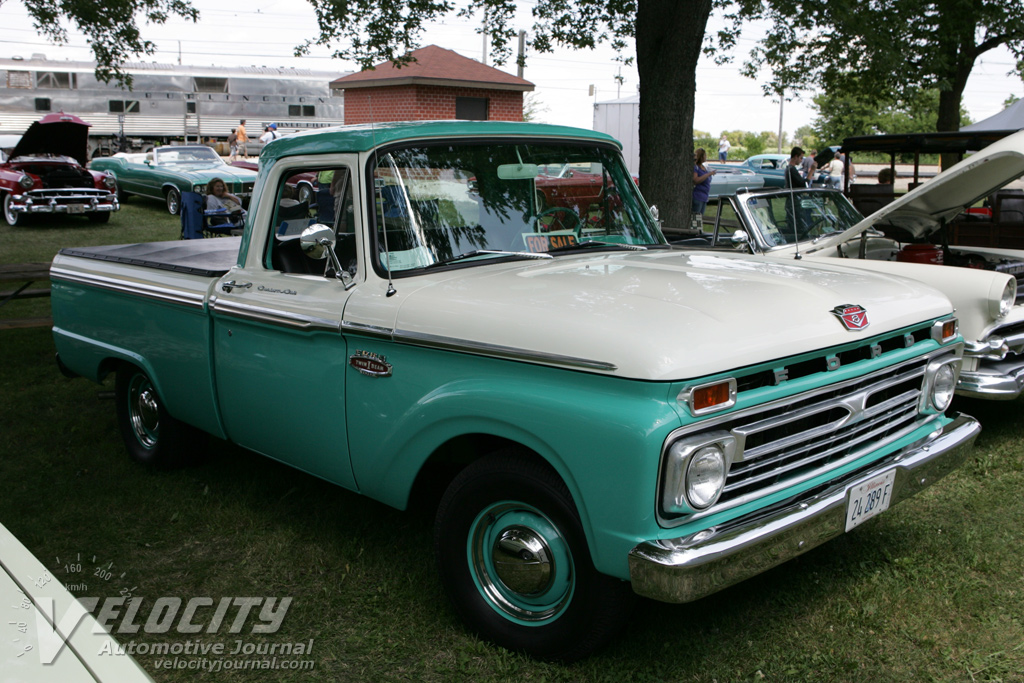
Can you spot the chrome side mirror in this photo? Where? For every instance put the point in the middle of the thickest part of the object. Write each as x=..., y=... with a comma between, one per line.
x=317, y=242
x=740, y=238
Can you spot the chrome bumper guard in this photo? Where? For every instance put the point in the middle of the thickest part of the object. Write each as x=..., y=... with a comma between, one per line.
x=694, y=566
x=1002, y=380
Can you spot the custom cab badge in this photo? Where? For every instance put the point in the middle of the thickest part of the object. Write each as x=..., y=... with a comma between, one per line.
x=852, y=316
x=370, y=364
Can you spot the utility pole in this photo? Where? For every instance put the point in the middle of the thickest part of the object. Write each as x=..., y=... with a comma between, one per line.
x=522, y=53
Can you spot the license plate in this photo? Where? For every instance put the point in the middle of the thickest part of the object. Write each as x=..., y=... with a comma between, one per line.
x=871, y=498
x=76, y=208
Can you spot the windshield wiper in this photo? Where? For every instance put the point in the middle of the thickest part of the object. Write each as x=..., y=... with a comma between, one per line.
x=487, y=252
x=595, y=243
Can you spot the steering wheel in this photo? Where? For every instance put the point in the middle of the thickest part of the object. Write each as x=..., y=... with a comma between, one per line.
x=561, y=209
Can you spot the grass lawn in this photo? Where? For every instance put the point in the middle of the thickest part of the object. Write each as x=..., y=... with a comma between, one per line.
x=933, y=590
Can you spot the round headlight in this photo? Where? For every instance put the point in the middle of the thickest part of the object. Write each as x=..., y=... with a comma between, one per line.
x=705, y=477
x=110, y=181
x=26, y=182
x=943, y=385
x=1008, y=297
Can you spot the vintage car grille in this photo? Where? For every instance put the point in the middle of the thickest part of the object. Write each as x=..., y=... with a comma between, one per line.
x=828, y=361
x=77, y=195
x=800, y=437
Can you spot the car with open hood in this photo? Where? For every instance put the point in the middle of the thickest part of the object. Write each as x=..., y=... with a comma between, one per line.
x=907, y=237
x=43, y=172
x=169, y=171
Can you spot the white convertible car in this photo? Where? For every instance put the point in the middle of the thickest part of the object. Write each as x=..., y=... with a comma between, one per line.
x=906, y=237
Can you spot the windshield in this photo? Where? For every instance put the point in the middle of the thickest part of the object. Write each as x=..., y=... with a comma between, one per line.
x=815, y=214
x=437, y=203
x=186, y=155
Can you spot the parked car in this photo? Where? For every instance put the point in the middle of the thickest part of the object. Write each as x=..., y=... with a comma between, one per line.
x=986, y=285
x=168, y=171
x=599, y=414
x=301, y=187
x=70, y=651
x=771, y=166
x=729, y=178
x=43, y=171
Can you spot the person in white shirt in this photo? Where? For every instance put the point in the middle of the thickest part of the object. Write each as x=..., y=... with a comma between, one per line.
x=270, y=134
x=723, y=148
x=219, y=199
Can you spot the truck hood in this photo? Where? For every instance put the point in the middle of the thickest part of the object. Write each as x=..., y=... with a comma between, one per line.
x=924, y=209
x=659, y=315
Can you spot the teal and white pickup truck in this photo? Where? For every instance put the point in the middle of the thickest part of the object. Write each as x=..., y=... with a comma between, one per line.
x=600, y=414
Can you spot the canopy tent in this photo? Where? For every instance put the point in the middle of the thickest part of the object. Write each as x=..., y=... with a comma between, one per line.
x=1011, y=118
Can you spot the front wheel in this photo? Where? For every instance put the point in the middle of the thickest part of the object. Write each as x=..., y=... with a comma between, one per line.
x=12, y=217
x=98, y=216
x=173, y=201
x=151, y=436
x=514, y=560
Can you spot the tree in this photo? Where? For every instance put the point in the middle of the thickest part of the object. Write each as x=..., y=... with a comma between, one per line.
x=861, y=113
x=667, y=34
x=110, y=27
x=891, y=48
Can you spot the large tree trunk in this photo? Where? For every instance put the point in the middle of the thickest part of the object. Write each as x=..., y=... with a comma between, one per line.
x=669, y=35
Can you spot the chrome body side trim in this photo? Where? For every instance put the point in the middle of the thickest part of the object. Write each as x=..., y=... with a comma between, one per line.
x=271, y=316
x=191, y=299
x=694, y=566
x=497, y=351
x=364, y=330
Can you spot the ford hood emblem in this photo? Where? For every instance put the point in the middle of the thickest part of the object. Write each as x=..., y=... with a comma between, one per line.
x=852, y=316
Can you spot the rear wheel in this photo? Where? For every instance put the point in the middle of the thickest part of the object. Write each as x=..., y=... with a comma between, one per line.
x=173, y=201
x=514, y=561
x=151, y=436
x=10, y=215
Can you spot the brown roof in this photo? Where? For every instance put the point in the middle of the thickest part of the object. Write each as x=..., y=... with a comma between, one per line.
x=434, y=66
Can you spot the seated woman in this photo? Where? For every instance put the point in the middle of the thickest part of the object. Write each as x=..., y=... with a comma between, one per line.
x=219, y=199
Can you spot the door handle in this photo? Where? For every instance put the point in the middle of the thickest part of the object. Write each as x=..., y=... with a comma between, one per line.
x=231, y=284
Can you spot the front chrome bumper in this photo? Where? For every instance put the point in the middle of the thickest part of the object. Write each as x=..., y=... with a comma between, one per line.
x=1000, y=380
x=70, y=201
x=694, y=566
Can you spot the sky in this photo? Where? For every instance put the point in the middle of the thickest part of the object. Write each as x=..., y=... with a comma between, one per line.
x=265, y=32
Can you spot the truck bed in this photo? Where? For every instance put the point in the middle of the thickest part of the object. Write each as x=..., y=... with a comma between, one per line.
x=208, y=258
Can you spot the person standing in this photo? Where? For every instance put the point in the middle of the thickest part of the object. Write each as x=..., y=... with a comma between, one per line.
x=270, y=133
x=242, y=138
x=723, y=148
x=793, y=177
x=808, y=167
x=835, y=172
x=701, y=187
x=233, y=144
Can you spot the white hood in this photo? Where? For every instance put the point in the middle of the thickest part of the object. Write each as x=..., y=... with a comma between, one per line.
x=660, y=315
x=922, y=210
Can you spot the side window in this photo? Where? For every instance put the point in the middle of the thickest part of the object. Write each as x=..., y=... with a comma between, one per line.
x=312, y=196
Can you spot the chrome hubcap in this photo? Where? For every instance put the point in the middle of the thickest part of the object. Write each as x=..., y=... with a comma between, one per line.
x=144, y=411
x=522, y=561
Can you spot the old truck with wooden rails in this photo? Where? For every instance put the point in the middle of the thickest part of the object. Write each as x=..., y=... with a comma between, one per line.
x=600, y=415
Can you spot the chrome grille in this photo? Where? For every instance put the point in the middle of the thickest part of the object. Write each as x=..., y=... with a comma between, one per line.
x=799, y=438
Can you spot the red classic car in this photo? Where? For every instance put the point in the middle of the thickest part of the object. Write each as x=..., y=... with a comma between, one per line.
x=44, y=172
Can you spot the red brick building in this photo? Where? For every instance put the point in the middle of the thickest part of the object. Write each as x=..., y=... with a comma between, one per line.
x=440, y=84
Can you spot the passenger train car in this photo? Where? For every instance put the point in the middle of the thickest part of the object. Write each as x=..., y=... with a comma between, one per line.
x=168, y=102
